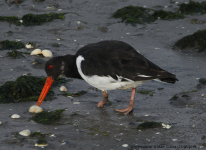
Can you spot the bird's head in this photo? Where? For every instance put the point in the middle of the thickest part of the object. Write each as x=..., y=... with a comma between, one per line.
x=54, y=68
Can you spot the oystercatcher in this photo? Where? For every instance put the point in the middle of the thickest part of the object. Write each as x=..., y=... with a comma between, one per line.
x=106, y=65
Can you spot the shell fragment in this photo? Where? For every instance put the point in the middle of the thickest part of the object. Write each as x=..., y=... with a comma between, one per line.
x=47, y=53
x=15, y=116
x=63, y=88
x=35, y=109
x=25, y=132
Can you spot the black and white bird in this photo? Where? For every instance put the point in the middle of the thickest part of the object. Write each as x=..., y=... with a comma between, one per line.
x=106, y=65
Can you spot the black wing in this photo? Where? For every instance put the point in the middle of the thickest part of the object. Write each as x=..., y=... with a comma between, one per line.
x=118, y=58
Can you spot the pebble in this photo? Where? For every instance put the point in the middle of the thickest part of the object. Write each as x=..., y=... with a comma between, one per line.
x=15, y=116
x=25, y=132
x=63, y=88
x=35, y=109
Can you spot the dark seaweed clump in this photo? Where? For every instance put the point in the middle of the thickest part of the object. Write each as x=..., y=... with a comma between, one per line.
x=202, y=80
x=145, y=92
x=9, y=45
x=166, y=15
x=48, y=118
x=31, y=19
x=148, y=125
x=75, y=94
x=25, y=88
x=136, y=14
x=15, y=54
x=37, y=135
x=193, y=7
x=195, y=41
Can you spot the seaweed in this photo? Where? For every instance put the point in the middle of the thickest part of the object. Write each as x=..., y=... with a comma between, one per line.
x=193, y=7
x=41, y=143
x=146, y=92
x=202, y=80
x=97, y=130
x=75, y=94
x=15, y=54
x=166, y=15
x=25, y=88
x=31, y=19
x=195, y=41
x=48, y=118
x=9, y=45
x=148, y=125
x=37, y=135
x=135, y=14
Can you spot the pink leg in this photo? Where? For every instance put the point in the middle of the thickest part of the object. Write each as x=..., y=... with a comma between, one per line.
x=105, y=99
x=131, y=103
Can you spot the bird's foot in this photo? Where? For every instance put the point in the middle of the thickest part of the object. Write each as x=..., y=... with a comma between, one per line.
x=126, y=110
x=101, y=104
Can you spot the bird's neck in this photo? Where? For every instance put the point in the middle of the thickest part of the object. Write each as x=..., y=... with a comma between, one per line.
x=70, y=68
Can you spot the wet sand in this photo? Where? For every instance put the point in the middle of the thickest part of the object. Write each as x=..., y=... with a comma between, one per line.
x=153, y=40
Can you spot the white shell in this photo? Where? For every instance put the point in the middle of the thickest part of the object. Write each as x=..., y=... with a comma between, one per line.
x=29, y=46
x=35, y=109
x=47, y=53
x=25, y=132
x=63, y=88
x=15, y=116
x=166, y=126
x=41, y=145
x=125, y=145
x=76, y=103
x=36, y=52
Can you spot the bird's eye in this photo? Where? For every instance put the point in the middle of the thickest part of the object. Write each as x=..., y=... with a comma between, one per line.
x=50, y=66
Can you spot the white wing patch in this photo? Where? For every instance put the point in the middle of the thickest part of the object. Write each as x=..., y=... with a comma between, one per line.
x=143, y=76
x=106, y=82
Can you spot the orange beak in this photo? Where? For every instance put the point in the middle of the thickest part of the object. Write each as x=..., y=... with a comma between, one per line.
x=45, y=90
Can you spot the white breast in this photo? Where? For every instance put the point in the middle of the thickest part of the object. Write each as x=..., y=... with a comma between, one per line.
x=105, y=83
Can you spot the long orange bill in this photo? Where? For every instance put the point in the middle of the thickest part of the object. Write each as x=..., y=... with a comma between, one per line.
x=45, y=90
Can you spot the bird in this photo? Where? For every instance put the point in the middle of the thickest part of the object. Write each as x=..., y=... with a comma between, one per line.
x=106, y=65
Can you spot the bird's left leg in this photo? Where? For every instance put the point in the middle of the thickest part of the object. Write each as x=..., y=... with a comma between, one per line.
x=131, y=103
x=105, y=99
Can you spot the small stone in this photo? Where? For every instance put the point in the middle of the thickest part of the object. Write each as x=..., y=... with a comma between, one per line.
x=174, y=139
x=25, y=132
x=35, y=109
x=63, y=88
x=15, y=116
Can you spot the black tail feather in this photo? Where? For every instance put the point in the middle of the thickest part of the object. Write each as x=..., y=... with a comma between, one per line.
x=169, y=80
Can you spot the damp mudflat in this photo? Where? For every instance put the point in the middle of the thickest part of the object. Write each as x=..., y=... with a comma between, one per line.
x=180, y=106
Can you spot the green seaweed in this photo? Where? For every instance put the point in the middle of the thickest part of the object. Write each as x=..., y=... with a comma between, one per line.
x=42, y=142
x=193, y=7
x=26, y=88
x=31, y=19
x=166, y=15
x=135, y=14
x=202, y=80
x=97, y=130
x=37, y=135
x=195, y=41
x=75, y=94
x=48, y=118
x=146, y=92
x=15, y=54
x=9, y=45
x=148, y=125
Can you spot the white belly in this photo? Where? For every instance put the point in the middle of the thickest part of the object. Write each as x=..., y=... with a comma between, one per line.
x=106, y=82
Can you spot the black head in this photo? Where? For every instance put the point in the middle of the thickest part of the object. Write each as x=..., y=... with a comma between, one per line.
x=55, y=67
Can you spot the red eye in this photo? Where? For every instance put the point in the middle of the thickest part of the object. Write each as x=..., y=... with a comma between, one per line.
x=50, y=66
